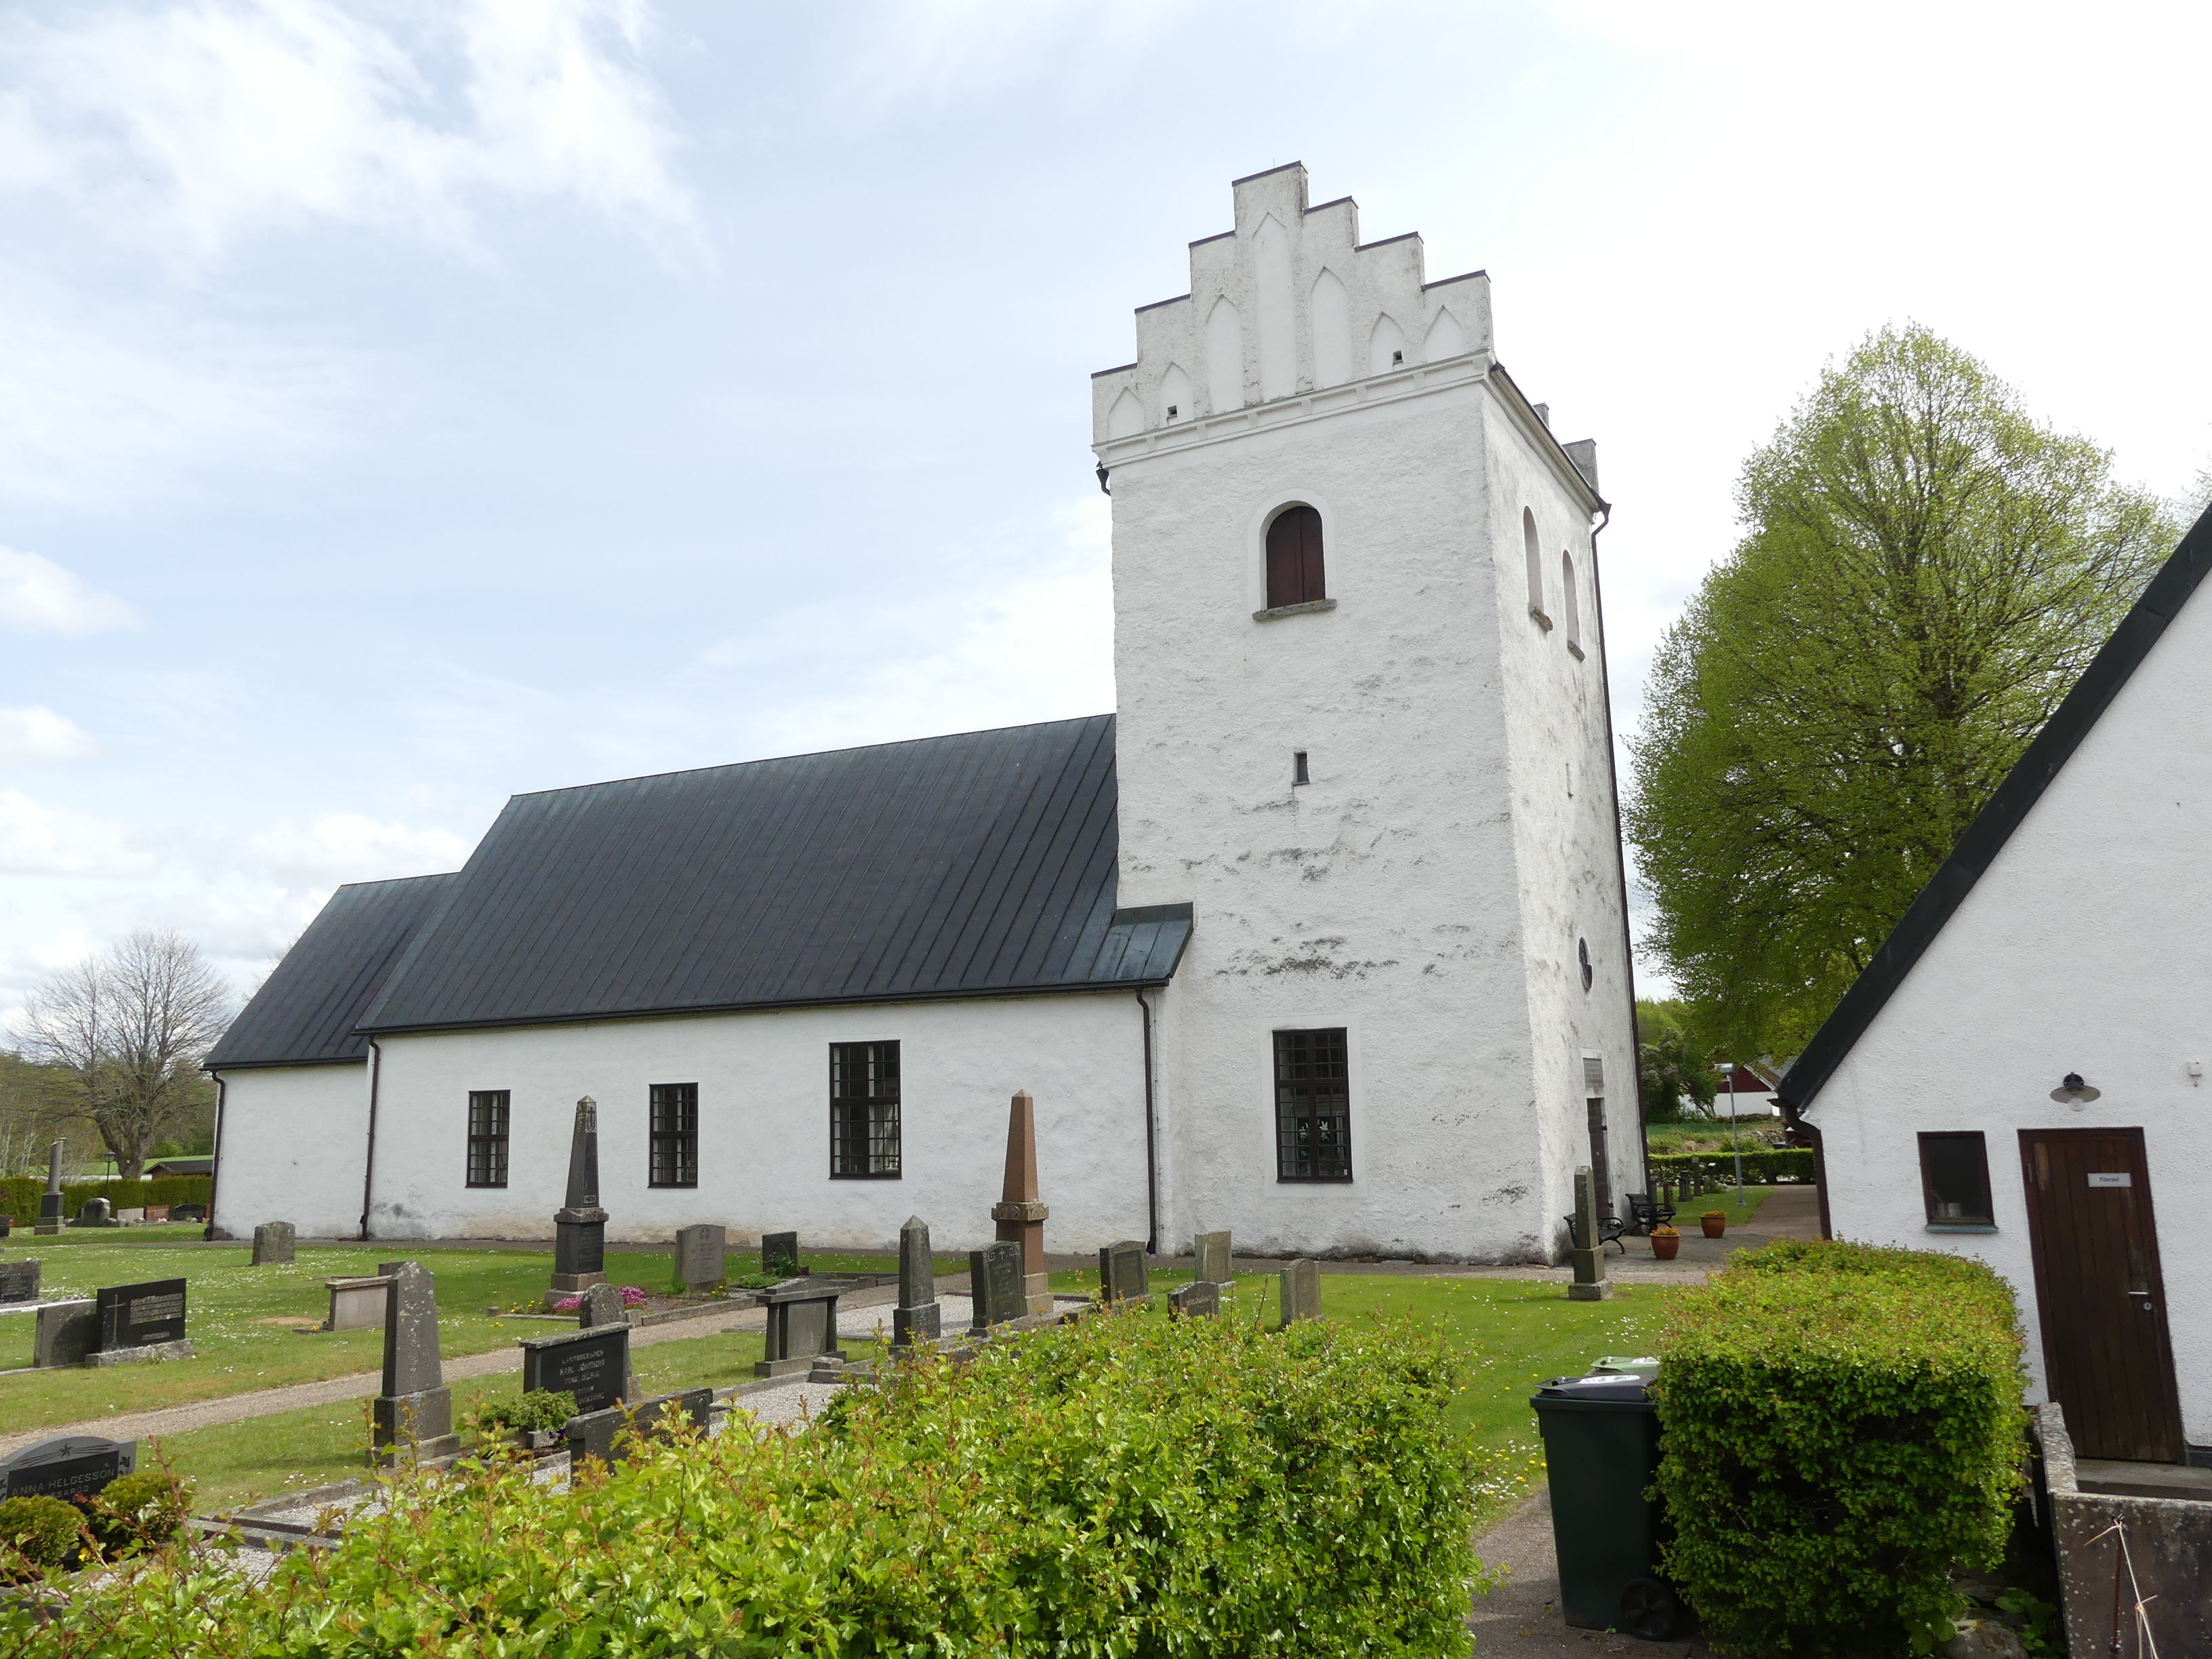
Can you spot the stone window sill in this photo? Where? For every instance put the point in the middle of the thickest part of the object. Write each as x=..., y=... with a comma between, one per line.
x=1962, y=1227
x=1305, y=609
x=1575, y=649
x=1542, y=621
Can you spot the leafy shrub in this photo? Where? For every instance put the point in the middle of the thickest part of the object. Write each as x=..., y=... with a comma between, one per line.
x=141, y=1510
x=40, y=1530
x=535, y=1408
x=1127, y=1485
x=1842, y=1435
x=1762, y=1166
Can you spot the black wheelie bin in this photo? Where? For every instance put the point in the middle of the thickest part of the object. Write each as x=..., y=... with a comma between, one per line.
x=1600, y=1453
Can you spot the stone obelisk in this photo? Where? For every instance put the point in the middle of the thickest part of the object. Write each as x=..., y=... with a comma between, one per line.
x=580, y=1226
x=1589, y=1283
x=50, y=1205
x=1019, y=1211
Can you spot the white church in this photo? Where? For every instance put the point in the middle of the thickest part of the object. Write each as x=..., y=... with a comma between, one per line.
x=1320, y=938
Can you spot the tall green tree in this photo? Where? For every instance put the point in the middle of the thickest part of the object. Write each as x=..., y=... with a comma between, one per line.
x=1923, y=573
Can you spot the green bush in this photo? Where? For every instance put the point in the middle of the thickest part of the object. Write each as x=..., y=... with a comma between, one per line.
x=1127, y=1485
x=38, y=1530
x=535, y=1408
x=1842, y=1436
x=141, y=1510
x=1762, y=1166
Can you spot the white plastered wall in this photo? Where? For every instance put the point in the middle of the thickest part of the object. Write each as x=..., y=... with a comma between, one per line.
x=764, y=1122
x=2081, y=949
x=294, y=1138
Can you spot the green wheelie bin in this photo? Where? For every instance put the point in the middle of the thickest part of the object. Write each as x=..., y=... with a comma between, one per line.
x=1600, y=1453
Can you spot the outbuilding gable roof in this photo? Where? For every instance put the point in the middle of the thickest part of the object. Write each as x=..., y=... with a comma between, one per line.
x=306, y=1011
x=980, y=863
x=1985, y=837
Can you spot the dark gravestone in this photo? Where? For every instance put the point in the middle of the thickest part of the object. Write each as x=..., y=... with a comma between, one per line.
x=66, y=1466
x=994, y=1284
x=580, y=1225
x=1212, y=1250
x=701, y=1257
x=594, y=1365
x=1121, y=1271
x=49, y=1203
x=602, y=1306
x=413, y=1416
x=188, y=1212
x=917, y=1318
x=273, y=1244
x=136, y=1318
x=1301, y=1292
x=612, y=1433
x=19, y=1281
x=802, y=1327
x=1199, y=1300
x=780, y=1255
x=68, y=1335
x=7, y=1225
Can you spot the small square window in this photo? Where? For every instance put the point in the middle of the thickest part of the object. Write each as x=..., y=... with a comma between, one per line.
x=675, y=1134
x=1954, y=1179
x=487, y=1137
x=864, y=1110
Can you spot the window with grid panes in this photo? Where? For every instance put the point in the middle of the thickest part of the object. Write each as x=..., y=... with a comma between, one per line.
x=1313, y=1106
x=674, y=1134
x=487, y=1137
x=864, y=1109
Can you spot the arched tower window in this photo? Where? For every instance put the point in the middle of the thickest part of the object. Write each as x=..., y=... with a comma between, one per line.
x=1570, y=600
x=1535, y=555
x=1294, y=569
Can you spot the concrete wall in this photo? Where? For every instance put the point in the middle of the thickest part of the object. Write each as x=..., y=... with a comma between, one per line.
x=294, y=1139
x=2167, y=1565
x=2081, y=949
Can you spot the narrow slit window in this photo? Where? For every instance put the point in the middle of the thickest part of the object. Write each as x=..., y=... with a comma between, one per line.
x=864, y=1110
x=1534, y=554
x=1298, y=774
x=1313, y=1106
x=1954, y=1179
x=1294, y=560
x=1569, y=600
x=675, y=1134
x=488, y=1109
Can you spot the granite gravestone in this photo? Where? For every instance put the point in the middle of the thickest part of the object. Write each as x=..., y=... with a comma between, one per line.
x=580, y=1225
x=155, y=1213
x=780, y=1255
x=50, y=1205
x=1199, y=1300
x=612, y=1432
x=1589, y=1281
x=1301, y=1292
x=994, y=1284
x=1121, y=1271
x=19, y=1281
x=66, y=1466
x=1020, y=1211
x=274, y=1244
x=592, y=1365
x=802, y=1327
x=356, y=1304
x=917, y=1318
x=602, y=1306
x=413, y=1418
x=1212, y=1250
x=701, y=1257
x=141, y=1322
x=68, y=1332
x=96, y=1212
x=188, y=1212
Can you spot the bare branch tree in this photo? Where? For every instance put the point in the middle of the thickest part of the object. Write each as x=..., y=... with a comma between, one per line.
x=130, y=1030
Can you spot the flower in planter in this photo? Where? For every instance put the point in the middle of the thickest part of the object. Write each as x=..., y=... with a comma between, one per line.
x=1662, y=1230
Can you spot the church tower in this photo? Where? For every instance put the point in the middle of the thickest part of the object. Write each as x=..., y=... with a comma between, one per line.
x=1363, y=733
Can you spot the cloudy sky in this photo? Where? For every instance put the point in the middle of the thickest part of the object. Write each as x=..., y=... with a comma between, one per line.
x=405, y=403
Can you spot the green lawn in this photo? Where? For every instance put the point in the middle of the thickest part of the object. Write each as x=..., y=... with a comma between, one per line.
x=1687, y=1210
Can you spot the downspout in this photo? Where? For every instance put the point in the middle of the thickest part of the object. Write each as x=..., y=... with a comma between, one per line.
x=215, y=1174
x=368, y=1163
x=1619, y=851
x=1151, y=1156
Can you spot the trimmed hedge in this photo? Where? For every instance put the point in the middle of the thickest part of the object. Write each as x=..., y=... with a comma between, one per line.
x=1841, y=1436
x=1761, y=1168
x=19, y=1194
x=1131, y=1484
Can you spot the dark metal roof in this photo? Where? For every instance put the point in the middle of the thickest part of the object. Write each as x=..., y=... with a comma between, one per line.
x=1984, y=838
x=305, y=1013
x=977, y=865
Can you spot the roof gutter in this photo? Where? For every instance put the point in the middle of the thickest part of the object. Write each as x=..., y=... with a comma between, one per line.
x=368, y=1162
x=214, y=1173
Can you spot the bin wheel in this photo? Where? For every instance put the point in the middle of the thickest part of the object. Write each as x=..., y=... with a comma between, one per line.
x=1650, y=1609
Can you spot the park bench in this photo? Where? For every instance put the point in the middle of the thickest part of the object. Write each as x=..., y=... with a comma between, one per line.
x=1609, y=1229
x=1647, y=1214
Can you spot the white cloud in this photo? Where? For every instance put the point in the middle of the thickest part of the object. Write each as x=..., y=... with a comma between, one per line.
x=37, y=596
x=48, y=840
x=191, y=124
x=39, y=734
x=342, y=846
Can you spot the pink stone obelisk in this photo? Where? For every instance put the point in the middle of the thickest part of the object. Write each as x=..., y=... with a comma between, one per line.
x=1019, y=1211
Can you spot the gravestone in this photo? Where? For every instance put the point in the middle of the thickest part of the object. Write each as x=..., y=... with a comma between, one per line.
x=1121, y=1271
x=780, y=1255
x=96, y=1212
x=141, y=1322
x=273, y=1244
x=1199, y=1300
x=188, y=1212
x=50, y=1204
x=1212, y=1250
x=918, y=1317
x=580, y=1225
x=701, y=1257
x=802, y=1327
x=356, y=1304
x=155, y=1212
x=602, y=1306
x=19, y=1281
x=994, y=1284
x=413, y=1418
x=66, y=1466
x=1301, y=1292
x=592, y=1364
x=1020, y=1211
x=1589, y=1281
x=68, y=1332
x=615, y=1431
x=7, y=1225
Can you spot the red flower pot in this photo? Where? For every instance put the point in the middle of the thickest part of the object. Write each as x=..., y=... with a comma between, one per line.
x=1715, y=1223
x=1665, y=1245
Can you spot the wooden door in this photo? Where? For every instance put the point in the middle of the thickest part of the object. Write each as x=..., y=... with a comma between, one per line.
x=2106, y=1347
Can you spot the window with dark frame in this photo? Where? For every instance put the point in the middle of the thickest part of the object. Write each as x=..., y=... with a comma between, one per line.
x=487, y=1137
x=673, y=1135
x=864, y=1110
x=1313, y=1106
x=1954, y=1179
x=1294, y=562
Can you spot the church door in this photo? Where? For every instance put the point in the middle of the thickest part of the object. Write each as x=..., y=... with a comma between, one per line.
x=2102, y=1301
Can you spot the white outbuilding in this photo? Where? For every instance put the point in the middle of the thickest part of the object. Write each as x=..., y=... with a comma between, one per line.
x=2019, y=1071
x=1321, y=938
